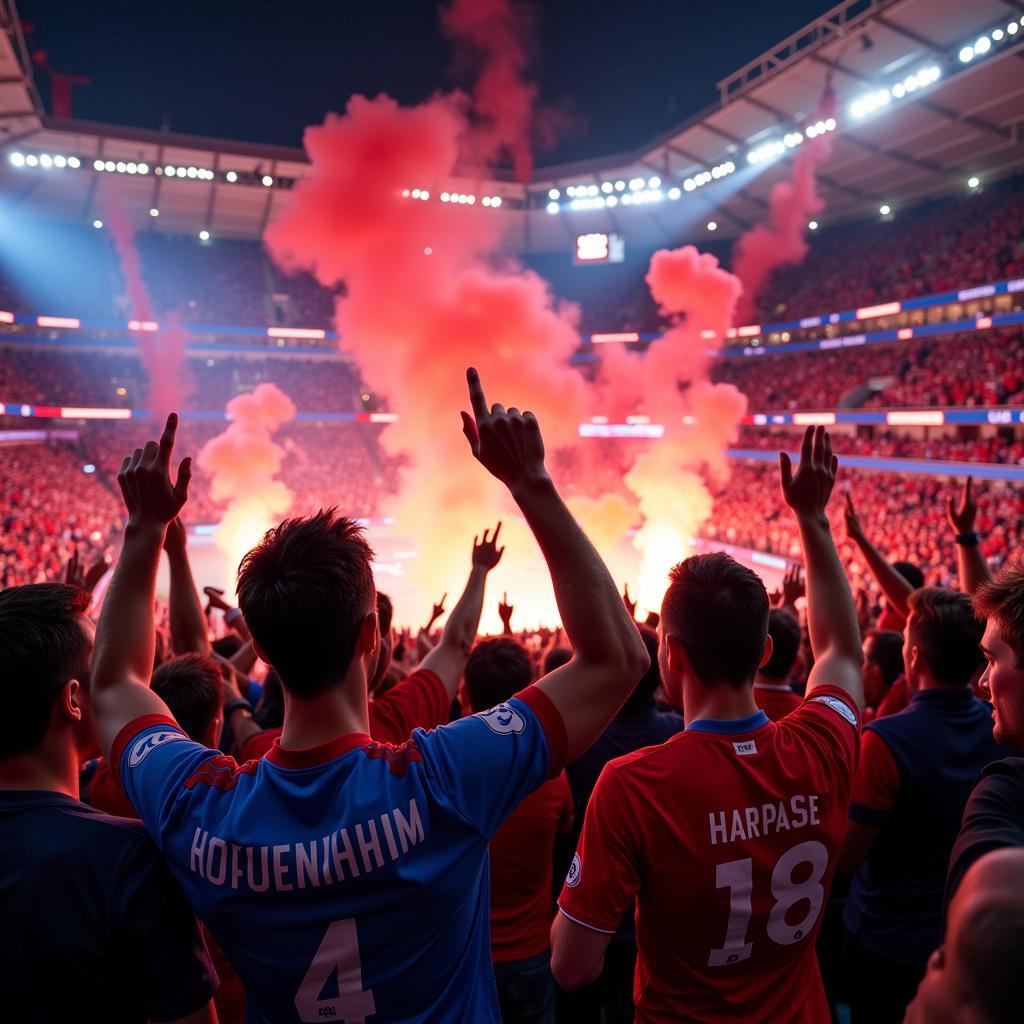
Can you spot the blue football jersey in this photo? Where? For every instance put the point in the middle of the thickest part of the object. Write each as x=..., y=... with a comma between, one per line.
x=347, y=882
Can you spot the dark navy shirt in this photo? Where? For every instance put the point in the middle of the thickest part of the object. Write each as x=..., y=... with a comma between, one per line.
x=913, y=785
x=94, y=927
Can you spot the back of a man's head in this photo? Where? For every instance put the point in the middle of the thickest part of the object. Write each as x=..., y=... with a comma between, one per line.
x=784, y=630
x=718, y=610
x=884, y=648
x=1002, y=599
x=556, y=658
x=190, y=686
x=943, y=627
x=305, y=591
x=498, y=668
x=911, y=573
x=42, y=647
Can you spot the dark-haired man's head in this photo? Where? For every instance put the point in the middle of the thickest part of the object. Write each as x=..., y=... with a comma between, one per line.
x=307, y=594
x=714, y=625
x=385, y=613
x=498, y=668
x=883, y=663
x=190, y=686
x=1001, y=604
x=940, y=645
x=45, y=649
x=643, y=696
x=784, y=629
x=974, y=978
x=911, y=573
x=555, y=658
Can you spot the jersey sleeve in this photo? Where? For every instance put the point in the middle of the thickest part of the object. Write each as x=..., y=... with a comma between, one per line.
x=417, y=702
x=604, y=876
x=162, y=945
x=993, y=820
x=485, y=764
x=877, y=782
x=827, y=723
x=155, y=760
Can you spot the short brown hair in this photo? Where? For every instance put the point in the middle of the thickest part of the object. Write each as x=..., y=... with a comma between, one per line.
x=304, y=591
x=947, y=633
x=1003, y=600
x=718, y=610
x=190, y=686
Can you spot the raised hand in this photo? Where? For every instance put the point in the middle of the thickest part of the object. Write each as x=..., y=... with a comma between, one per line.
x=437, y=611
x=145, y=481
x=215, y=599
x=961, y=517
x=507, y=443
x=73, y=574
x=486, y=553
x=630, y=605
x=176, y=539
x=505, y=610
x=808, y=490
x=854, y=529
x=793, y=586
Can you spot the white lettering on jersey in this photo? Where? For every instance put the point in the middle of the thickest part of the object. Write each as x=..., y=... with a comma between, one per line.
x=142, y=748
x=572, y=879
x=840, y=707
x=502, y=720
x=757, y=821
x=327, y=860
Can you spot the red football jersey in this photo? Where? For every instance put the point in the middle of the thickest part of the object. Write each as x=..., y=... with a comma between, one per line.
x=419, y=701
x=728, y=836
x=776, y=700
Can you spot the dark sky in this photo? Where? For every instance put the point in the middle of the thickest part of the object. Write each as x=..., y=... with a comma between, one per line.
x=260, y=71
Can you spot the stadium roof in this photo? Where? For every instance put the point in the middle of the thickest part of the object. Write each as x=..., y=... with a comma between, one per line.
x=926, y=138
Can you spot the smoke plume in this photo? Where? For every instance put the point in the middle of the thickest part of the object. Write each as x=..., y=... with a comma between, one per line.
x=243, y=464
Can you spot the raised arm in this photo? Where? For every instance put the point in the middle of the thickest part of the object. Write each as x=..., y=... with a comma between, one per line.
x=188, y=623
x=448, y=659
x=122, y=663
x=831, y=613
x=895, y=586
x=970, y=562
x=608, y=655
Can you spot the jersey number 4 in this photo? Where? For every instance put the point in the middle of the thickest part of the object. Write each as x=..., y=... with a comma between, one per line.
x=337, y=958
x=737, y=877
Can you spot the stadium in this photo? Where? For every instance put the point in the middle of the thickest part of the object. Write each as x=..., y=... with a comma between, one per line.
x=828, y=258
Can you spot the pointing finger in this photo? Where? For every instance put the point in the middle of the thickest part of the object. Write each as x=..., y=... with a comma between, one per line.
x=476, y=394
x=167, y=438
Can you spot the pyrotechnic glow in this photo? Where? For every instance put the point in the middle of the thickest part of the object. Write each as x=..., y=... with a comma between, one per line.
x=243, y=463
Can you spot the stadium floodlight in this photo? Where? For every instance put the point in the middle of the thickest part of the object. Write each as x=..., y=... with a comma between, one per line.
x=191, y=171
x=712, y=225
x=109, y=166
x=571, y=191
x=654, y=182
x=606, y=187
x=611, y=201
x=966, y=54
x=997, y=34
x=973, y=182
x=74, y=162
x=689, y=184
x=812, y=225
x=445, y=196
x=620, y=186
x=415, y=193
x=553, y=193
x=204, y=235
x=471, y=199
x=46, y=161
x=32, y=160
x=232, y=176
x=1013, y=28
x=169, y=171
x=486, y=200
x=635, y=184
x=154, y=212
x=553, y=207
x=97, y=165
x=181, y=172
x=495, y=201
x=267, y=180
x=60, y=161
x=592, y=190
x=17, y=159
x=674, y=192
x=97, y=224
x=885, y=209
x=982, y=45
x=143, y=168
x=121, y=167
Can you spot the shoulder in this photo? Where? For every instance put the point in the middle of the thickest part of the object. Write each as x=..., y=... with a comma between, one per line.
x=651, y=758
x=1005, y=777
x=88, y=832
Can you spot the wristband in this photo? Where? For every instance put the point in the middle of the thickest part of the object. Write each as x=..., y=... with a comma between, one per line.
x=967, y=540
x=236, y=705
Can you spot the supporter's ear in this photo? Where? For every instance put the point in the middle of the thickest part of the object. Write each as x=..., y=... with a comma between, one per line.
x=677, y=659
x=769, y=646
x=369, y=634
x=70, y=700
x=212, y=737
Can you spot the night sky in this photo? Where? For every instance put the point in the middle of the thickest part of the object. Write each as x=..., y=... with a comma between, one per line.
x=261, y=71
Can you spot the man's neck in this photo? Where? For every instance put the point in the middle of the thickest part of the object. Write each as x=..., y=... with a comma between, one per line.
x=337, y=711
x=57, y=773
x=720, y=702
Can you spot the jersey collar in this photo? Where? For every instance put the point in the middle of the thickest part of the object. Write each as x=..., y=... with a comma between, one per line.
x=311, y=756
x=729, y=725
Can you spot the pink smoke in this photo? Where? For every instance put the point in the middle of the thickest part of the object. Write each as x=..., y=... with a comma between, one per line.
x=243, y=464
x=781, y=237
x=163, y=351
